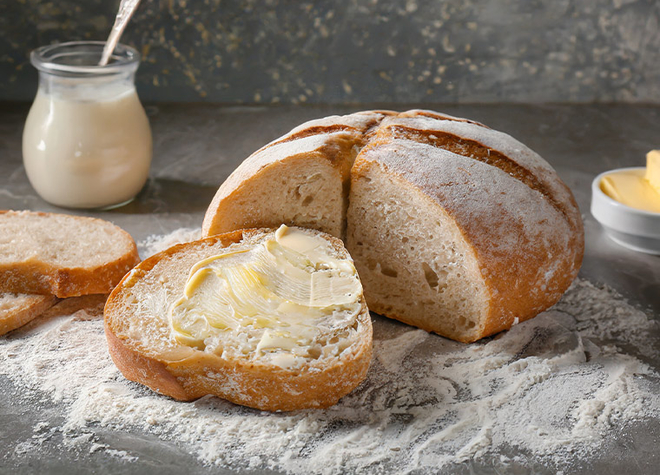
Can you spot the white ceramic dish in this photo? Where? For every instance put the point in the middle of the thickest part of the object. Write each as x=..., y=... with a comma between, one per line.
x=632, y=228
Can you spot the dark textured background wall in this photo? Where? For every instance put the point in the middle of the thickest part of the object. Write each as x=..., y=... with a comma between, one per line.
x=264, y=51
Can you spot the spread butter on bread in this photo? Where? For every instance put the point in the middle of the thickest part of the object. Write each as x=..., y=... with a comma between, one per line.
x=270, y=319
x=454, y=227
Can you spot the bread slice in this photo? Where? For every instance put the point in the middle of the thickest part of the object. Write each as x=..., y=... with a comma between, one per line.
x=454, y=227
x=62, y=255
x=18, y=309
x=146, y=344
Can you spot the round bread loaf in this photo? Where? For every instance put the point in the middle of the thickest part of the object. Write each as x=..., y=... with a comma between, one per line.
x=454, y=227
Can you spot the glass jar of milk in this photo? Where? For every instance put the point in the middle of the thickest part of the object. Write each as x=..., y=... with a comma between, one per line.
x=87, y=141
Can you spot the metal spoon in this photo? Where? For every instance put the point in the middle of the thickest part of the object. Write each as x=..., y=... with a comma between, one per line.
x=126, y=10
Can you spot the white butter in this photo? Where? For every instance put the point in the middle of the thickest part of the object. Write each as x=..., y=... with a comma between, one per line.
x=286, y=293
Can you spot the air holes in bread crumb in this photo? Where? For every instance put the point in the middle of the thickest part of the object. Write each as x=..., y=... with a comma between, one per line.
x=388, y=271
x=308, y=200
x=436, y=280
x=430, y=275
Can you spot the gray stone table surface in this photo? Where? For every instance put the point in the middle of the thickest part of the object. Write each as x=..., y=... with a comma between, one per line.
x=197, y=146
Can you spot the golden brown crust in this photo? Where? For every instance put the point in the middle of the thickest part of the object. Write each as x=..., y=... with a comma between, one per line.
x=142, y=369
x=38, y=277
x=437, y=115
x=65, y=282
x=248, y=383
x=474, y=150
x=238, y=382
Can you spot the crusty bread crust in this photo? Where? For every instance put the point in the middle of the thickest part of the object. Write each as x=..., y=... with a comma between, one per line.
x=525, y=268
x=142, y=369
x=249, y=383
x=36, y=275
x=21, y=309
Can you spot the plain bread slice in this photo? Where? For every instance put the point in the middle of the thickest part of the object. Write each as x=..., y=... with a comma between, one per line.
x=18, y=309
x=62, y=255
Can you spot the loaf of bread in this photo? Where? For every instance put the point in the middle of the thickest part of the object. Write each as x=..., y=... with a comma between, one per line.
x=270, y=319
x=454, y=227
x=62, y=255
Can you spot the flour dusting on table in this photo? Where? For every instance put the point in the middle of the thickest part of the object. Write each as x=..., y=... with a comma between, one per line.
x=556, y=388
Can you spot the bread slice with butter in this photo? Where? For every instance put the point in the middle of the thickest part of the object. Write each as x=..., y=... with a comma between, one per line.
x=270, y=319
x=62, y=255
x=454, y=227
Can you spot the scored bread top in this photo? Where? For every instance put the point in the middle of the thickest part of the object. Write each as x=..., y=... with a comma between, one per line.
x=140, y=335
x=335, y=137
x=63, y=255
x=437, y=115
x=495, y=148
x=338, y=139
x=363, y=121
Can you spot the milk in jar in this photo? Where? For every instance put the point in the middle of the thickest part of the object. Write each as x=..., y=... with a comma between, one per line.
x=87, y=140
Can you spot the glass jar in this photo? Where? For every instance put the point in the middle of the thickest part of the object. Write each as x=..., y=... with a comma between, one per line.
x=87, y=141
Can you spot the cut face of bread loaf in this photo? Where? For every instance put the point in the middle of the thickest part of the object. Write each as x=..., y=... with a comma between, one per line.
x=18, y=309
x=301, y=178
x=455, y=228
x=62, y=255
x=270, y=319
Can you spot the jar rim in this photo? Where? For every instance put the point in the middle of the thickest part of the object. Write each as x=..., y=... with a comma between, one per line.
x=80, y=58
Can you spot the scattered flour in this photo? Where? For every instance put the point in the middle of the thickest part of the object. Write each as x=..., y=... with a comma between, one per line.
x=156, y=243
x=555, y=388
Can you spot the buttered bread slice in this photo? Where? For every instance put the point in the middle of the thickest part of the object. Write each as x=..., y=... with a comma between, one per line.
x=454, y=227
x=270, y=319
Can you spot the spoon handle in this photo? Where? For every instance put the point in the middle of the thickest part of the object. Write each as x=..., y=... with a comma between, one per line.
x=126, y=10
